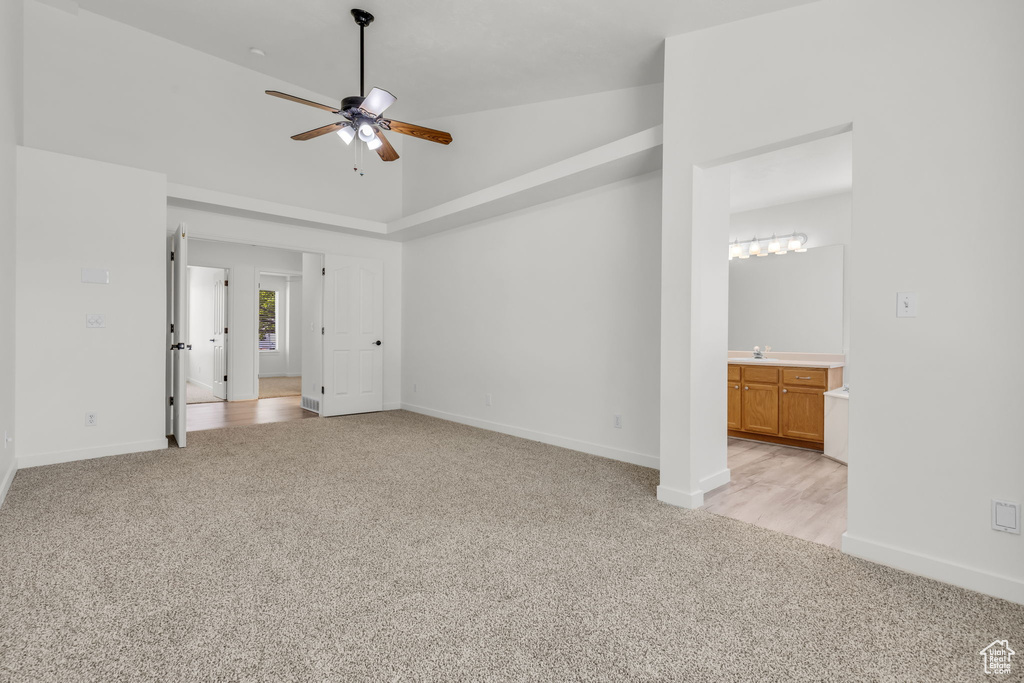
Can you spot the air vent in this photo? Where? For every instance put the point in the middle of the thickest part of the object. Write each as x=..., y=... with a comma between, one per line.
x=312, y=404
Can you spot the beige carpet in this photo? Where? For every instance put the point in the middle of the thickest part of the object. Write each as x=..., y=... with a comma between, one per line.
x=277, y=387
x=392, y=546
x=195, y=393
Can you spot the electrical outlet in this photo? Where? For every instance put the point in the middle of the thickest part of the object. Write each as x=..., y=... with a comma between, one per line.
x=1006, y=516
x=488, y=400
x=617, y=421
x=91, y=420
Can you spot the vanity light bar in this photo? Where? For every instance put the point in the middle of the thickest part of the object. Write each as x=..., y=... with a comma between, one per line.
x=758, y=246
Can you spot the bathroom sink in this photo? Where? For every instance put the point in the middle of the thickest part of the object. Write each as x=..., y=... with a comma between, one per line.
x=754, y=360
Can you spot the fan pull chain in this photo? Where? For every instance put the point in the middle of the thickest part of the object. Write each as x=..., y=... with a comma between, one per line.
x=357, y=153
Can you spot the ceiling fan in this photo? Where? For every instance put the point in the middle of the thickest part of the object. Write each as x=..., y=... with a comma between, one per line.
x=364, y=115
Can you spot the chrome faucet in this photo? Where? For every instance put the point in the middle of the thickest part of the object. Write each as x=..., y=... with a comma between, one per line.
x=758, y=353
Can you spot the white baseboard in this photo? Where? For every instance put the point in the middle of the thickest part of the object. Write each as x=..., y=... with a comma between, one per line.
x=680, y=499
x=561, y=441
x=204, y=385
x=971, y=578
x=58, y=457
x=392, y=406
x=715, y=480
x=279, y=374
x=5, y=483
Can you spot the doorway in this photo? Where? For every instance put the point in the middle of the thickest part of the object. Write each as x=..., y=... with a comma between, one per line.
x=207, y=313
x=279, y=335
x=788, y=246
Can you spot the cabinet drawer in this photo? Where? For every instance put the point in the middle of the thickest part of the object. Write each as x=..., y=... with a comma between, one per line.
x=760, y=375
x=734, y=373
x=805, y=377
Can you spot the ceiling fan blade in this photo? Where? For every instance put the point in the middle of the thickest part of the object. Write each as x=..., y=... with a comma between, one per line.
x=322, y=130
x=386, y=151
x=377, y=101
x=420, y=132
x=300, y=100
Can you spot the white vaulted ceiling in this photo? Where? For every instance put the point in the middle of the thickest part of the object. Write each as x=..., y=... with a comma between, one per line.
x=440, y=57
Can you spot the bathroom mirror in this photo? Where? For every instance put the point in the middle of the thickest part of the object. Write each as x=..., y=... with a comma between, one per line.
x=792, y=302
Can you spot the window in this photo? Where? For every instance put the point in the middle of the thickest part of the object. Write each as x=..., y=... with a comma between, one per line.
x=267, y=334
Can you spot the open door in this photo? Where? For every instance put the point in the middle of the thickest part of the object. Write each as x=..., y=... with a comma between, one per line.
x=220, y=330
x=353, y=321
x=179, y=336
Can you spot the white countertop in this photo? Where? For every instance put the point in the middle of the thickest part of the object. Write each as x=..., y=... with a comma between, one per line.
x=778, y=362
x=839, y=393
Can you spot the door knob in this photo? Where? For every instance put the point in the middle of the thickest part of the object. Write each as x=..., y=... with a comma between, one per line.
x=377, y=343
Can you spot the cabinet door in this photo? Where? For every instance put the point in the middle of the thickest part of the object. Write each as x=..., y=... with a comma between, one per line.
x=734, y=391
x=803, y=413
x=760, y=412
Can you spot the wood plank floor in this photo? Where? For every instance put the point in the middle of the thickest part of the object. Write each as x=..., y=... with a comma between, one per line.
x=797, y=492
x=202, y=416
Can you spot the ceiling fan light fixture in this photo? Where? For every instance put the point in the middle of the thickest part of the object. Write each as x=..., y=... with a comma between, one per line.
x=347, y=134
x=366, y=132
x=373, y=143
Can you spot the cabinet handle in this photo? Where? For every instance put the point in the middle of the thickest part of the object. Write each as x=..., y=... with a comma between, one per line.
x=736, y=387
x=799, y=377
x=785, y=391
x=746, y=388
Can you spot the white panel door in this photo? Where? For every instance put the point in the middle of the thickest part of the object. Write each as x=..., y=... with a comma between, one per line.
x=353, y=322
x=179, y=340
x=220, y=329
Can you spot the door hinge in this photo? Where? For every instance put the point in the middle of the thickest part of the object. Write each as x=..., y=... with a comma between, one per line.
x=225, y=330
x=323, y=271
x=321, y=390
x=322, y=330
x=172, y=327
x=225, y=283
x=172, y=255
x=171, y=400
x=225, y=378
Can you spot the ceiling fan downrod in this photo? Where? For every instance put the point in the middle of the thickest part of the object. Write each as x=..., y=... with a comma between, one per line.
x=363, y=18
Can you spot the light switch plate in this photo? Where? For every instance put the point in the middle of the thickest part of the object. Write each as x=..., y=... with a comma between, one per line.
x=96, y=276
x=95, y=320
x=1006, y=516
x=906, y=304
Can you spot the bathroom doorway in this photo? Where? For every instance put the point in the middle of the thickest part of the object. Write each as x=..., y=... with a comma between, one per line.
x=788, y=249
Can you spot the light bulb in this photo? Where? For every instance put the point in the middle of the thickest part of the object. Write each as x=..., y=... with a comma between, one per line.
x=794, y=243
x=780, y=253
x=346, y=134
x=773, y=245
x=734, y=250
x=373, y=143
x=366, y=132
x=755, y=247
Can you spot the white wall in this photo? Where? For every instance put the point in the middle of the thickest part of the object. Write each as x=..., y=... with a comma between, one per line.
x=10, y=137
x=931, y=90
x=553, y=311
x=236, y=230
x=293, y=367
x=492, y=146
x=792, y=302
x=201, y=283
x=103, y=90
x=312, y=322
x=73, y=214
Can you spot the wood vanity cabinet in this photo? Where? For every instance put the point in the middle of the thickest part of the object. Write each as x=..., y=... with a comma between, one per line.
x=780, y=404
